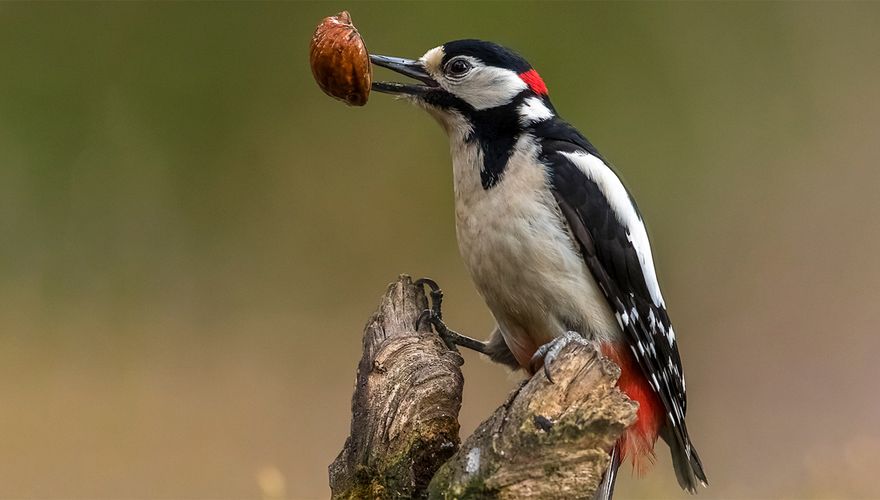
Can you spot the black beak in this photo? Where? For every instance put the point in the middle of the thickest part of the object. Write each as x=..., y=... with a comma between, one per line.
x=406, y=67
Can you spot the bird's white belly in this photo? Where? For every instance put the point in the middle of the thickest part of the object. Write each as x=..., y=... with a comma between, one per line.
x=523, y=260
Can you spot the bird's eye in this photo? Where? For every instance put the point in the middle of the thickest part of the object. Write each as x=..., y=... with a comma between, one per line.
x=458, y=67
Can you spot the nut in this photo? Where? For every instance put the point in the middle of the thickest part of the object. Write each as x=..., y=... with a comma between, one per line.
x=340, y=62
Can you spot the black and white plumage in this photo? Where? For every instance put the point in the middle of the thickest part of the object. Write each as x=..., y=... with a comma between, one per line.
x=613, y=240
x=552, y=238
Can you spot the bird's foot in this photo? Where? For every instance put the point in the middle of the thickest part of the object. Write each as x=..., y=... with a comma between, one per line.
x=434, y=316
x=548, y=352
x=436, y=295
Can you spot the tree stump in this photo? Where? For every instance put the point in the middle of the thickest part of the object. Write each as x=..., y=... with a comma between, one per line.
x=549, y=440
x=404, y=421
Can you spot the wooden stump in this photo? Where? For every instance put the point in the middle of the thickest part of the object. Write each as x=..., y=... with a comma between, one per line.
x=404, y=421
x=549, y=440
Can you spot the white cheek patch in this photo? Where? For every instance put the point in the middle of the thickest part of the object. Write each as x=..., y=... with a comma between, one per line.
x=483, y=88
x=486, y=86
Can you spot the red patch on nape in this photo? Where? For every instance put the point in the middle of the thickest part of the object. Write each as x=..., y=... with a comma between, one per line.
x=534, y=81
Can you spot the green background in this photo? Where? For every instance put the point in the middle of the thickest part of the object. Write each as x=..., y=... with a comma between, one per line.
x=192, y=235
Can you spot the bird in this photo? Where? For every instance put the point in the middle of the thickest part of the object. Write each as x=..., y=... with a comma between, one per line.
x=552, y=238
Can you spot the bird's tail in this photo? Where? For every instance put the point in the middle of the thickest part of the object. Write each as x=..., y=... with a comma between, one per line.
x=606, y=487
x=688, y=467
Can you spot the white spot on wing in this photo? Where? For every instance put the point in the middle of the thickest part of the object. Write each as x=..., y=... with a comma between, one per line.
x=626, y=214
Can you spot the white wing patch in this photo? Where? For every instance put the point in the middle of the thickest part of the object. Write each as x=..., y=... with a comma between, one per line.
x=619, y=200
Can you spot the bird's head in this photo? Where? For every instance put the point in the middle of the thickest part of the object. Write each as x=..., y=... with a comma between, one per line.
x=466, y=82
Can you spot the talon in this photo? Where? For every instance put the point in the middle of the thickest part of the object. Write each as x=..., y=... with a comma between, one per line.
x=424, y=316
x=436, y=294
x=429, y=282
x=547, y=372
x=438, y=326
x=434, y=317
x=547, y=353
x=537, y=360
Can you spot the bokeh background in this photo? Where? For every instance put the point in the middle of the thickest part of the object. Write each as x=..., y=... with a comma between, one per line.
x=192, y=235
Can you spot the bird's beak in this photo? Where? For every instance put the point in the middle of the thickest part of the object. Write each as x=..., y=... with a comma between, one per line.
x=406, y=67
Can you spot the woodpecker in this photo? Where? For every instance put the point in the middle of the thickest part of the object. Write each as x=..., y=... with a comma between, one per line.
x=552, y=238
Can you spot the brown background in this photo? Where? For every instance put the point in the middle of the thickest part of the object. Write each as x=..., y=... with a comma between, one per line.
x=192, y=235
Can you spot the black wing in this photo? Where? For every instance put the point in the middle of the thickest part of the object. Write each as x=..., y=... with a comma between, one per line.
x=613, y=259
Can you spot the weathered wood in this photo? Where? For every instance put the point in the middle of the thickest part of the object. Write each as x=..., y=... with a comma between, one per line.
x=405, y=406
x=549, y=440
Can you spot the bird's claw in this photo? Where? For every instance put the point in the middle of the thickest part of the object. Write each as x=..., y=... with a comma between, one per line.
x=447, y=335
x=424, y=316
x=434, y=317
x=549, y=351
x=436, y=295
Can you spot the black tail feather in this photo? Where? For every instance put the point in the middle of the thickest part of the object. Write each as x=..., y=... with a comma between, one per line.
x=688, y=467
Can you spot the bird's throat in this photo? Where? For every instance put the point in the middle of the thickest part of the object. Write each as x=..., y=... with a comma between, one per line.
x=496, y=131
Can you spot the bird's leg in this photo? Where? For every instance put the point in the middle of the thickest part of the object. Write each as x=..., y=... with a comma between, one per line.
x=548, y=352
x=434, y=316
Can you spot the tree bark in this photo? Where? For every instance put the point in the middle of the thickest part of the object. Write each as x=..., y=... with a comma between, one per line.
x=404, y=421
x=549, y=440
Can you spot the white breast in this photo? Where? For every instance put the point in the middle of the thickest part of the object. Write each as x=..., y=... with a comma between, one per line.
x=520, y=254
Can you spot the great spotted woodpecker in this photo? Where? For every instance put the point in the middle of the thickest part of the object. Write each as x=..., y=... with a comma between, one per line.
x=552, y=238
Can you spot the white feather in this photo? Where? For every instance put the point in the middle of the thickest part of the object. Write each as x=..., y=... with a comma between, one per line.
x=532, y=111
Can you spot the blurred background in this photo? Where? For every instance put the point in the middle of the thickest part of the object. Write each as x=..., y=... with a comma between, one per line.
x=192, y=235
